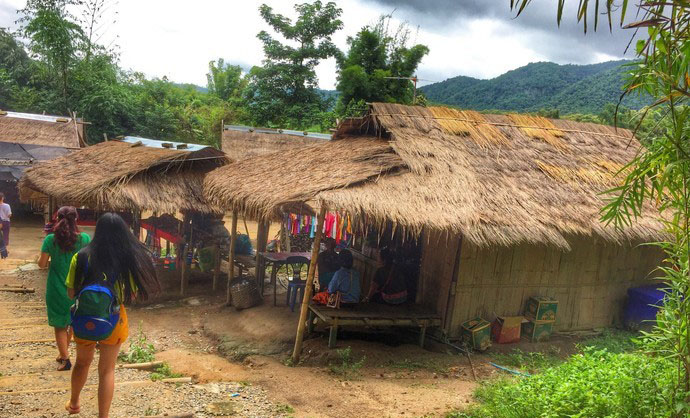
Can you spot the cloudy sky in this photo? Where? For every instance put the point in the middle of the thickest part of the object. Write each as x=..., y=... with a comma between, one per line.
x=478, y=38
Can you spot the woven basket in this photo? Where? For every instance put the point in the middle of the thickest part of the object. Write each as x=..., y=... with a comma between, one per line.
x=245, y=293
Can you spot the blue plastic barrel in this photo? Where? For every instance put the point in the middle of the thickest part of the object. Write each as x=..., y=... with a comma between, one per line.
x=642, y=305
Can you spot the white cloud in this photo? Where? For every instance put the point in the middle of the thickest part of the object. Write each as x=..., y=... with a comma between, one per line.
x=177, y=38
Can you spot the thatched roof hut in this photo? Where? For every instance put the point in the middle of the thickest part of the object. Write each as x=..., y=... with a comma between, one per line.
x=240, y=142
x=495, y=179
x=51, y=131
x=131, y=174
x=508, y=206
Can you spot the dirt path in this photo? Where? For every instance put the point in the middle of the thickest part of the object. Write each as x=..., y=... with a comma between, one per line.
x=29, y=386
x=234, y=357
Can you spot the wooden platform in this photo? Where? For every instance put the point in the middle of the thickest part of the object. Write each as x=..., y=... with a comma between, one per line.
x=373, y=315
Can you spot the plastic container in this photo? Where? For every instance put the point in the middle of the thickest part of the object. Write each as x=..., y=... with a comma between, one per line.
x=642, y=306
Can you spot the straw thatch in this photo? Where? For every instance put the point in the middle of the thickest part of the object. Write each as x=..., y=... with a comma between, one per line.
x=39, y=132
x=496, y=179
x=118, y=176
x=239, y=145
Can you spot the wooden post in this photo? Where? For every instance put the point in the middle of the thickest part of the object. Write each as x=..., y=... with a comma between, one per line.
x=216, y=265
x=301, y=325
x=231, y=259
x=136, y=224
x=261, y=243
x=186, y=246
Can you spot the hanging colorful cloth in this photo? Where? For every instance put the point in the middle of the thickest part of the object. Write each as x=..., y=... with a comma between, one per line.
x=313, y=227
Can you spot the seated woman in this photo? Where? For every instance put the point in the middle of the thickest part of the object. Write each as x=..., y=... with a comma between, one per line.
x=388, y=286
x=328, y=264
x=346, y=280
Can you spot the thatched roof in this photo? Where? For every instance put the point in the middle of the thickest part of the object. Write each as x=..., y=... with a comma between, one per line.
x=53, y=131
x=117, y=175
x=243, y=142
x=496, y=179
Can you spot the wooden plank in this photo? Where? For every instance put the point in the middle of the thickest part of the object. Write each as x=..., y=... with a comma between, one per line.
x=231, y=258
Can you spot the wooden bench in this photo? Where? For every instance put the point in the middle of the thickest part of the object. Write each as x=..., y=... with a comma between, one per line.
x=372, y=315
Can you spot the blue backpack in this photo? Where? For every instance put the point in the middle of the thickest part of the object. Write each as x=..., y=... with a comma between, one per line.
x=96, y=311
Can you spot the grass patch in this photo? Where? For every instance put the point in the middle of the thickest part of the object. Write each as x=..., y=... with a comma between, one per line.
x=414, y=365
x=348, y=368
x=164, y=372
x=612, y=340
x=140, y=350
x=284, y=409
x=531, y=362
x=593, y=383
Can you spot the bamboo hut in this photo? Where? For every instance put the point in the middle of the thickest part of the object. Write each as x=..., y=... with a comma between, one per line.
x=29, y=138
x=506, y=206
x=240, y=142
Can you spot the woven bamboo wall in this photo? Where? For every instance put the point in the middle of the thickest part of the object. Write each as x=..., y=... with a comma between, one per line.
x=590, y=281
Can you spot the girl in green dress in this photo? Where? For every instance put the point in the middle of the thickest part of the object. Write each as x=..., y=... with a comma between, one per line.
x=57, y=251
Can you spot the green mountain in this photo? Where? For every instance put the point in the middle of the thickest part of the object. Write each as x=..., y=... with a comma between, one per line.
x=542, y=85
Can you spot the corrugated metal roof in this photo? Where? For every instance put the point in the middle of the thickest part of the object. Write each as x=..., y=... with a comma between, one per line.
x=154, y=143
x=32, y=116
x=242, y=128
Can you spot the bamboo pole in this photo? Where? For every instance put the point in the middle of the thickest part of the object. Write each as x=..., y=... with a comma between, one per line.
x=301, y=325
x=186, y=246
x=216, y=265
x=231, y=259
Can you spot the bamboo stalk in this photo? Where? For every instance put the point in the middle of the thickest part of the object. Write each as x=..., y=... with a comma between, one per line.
x=231, y=258
x=141, y=366
x=17, y=289
x=301, y=325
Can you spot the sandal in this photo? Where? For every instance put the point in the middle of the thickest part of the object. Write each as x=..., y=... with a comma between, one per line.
x=65, y=365
x=70, y=409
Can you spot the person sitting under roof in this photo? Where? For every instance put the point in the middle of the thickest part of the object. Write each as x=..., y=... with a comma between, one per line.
x=328, y=264
x=346, y=280
x=388, y=285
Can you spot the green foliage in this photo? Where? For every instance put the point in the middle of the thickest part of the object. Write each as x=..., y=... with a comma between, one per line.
x=164, y=372
x=613, y=341
x=413, y=365
x=140, y=350
x=531, y=362
x=284, y=408
x=225, y=81
x=348, y=368
x=283, y=92
x=595, y=383
x=375, y=54
x=543, y=85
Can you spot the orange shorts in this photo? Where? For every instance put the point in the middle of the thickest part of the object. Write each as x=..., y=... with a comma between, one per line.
x=119, y=335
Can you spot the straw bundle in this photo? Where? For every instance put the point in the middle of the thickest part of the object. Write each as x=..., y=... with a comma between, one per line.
x=540, y=128
x=468, y=123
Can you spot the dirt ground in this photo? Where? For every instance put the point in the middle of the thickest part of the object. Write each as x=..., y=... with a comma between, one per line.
x=237, y=358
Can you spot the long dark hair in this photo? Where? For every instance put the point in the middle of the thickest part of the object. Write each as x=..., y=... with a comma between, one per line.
x=116, y=253
x=66, y=230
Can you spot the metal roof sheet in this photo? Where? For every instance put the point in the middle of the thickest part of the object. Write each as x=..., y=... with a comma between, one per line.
x=242, y=128
x=154, y=143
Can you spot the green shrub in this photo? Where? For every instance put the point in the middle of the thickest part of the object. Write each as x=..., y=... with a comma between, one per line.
x=164, y=372
x=532, y=361
x=140, y=350
x=348, y=367
x=594, y=383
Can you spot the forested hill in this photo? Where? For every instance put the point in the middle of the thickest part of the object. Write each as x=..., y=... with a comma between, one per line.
x=542, y=85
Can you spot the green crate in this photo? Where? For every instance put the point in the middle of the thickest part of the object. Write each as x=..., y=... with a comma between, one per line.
x=477, y=333
x=537, y=331
x=542, y=308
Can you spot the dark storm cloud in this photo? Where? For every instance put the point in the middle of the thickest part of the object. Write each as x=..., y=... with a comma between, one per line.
x=536, y=25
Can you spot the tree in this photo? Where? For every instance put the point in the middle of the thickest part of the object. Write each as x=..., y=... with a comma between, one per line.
x=55, y=38
x=284, y=91
x=225, y=81
x=661, y=172
x=375, y=54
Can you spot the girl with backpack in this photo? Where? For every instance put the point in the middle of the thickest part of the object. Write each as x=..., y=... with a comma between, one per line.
x=114, y=269
x=57, y=251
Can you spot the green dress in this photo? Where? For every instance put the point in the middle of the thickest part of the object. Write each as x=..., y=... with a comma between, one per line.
x=57, y=301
